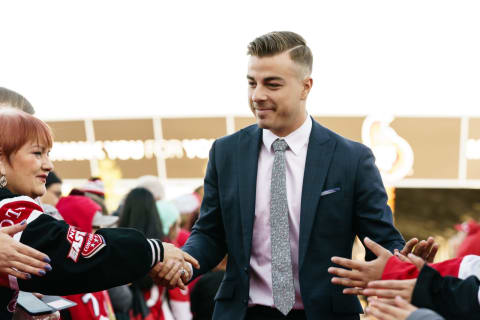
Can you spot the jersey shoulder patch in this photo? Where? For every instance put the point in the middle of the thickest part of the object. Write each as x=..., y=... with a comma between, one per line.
x=83, y=243
x=94, y=244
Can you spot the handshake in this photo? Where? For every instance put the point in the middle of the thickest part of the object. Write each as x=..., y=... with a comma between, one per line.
x=176, y=268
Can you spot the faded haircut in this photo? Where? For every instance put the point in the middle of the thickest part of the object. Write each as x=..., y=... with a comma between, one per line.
x=10, y=98
x=277, y=42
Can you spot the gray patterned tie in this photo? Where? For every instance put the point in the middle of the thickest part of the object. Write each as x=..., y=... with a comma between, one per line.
x=282, y=277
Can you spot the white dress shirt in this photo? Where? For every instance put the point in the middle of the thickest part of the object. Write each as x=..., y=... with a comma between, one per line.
x=261, y=254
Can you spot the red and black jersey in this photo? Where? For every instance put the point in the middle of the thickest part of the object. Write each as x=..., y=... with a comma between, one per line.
x=90, y=306
x=81, y=262
x=461, y=267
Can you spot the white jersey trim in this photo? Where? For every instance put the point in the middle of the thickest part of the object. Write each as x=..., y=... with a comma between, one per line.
x=470, y=266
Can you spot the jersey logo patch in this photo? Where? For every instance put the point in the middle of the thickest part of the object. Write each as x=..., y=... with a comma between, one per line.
x=77, y=239
x=82, y=243
x=95, y=243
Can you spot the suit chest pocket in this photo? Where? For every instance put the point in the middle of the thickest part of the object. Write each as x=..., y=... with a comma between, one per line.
x=333, y=217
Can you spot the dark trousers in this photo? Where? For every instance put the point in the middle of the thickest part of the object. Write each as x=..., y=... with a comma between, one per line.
x=267, y=313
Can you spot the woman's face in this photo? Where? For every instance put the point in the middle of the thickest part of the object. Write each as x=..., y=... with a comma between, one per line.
x=28, y=169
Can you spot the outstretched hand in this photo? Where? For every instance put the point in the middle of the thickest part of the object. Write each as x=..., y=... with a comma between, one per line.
x=387, y=290
x=361, y=272
x=400, y=310
x=19, y=260
x=175, y=269
x=423, y=249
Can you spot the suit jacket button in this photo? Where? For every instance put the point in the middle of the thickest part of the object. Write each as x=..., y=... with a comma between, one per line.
x=245, y=301
x=245, y=269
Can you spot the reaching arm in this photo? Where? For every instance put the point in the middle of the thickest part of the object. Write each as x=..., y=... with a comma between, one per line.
x=80, y=261
x=451, y=297
x=207, y=240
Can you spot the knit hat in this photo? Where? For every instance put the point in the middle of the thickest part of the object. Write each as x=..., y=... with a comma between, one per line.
x=169, y=214
x=94, y=185
x=187, y=203
x=83, y=213
x=51, y=179
x=468, y=227
x=152, y=184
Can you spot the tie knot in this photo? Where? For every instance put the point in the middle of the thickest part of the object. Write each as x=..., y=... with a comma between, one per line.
x=279, y=145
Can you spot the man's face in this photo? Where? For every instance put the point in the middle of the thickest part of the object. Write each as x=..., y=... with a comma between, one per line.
x=277, y=91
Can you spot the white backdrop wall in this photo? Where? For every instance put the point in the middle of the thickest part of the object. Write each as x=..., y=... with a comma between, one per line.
x=111, y=58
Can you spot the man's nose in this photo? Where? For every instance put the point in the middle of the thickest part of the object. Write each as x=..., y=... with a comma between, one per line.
x=259, y=94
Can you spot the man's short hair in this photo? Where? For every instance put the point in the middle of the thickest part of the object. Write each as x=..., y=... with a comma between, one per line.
x=277, y=42
x=9, y=98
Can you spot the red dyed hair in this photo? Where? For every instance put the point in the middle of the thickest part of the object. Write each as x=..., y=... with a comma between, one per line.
x=18, y=127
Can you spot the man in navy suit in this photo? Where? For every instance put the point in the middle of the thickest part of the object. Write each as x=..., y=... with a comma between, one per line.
x=327, y=188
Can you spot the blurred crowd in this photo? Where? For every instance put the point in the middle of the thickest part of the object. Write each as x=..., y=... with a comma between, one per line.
x=143, y=208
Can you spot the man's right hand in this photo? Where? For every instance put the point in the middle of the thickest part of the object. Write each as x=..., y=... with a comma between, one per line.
x=174, y=270
x=19, y=260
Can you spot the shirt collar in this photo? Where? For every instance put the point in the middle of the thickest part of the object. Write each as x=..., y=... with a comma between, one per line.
x=295, y=140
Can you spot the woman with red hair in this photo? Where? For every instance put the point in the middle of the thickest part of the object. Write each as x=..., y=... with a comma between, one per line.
x=79, y=261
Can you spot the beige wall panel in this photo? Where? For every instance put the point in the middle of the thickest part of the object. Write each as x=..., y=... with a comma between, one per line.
x=73, y=169
x=242, y=122
x=473, y=169
x=474, y=128
x=124, y=129
x=348, y=127
x=68, y=130
x=132, y=169
x=435, y=144
x=194, y=128
x=186, y=168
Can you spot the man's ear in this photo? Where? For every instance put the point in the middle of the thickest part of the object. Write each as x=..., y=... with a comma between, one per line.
x=307, y=86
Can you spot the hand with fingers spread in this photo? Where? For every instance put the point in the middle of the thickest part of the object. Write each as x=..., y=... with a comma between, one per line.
x=361, y=272
x=423, y=249
x=175, y=270
x=401, y=309
x=19, y=260
x=389, y=289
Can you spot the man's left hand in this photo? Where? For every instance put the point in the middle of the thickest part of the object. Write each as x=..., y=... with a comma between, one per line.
x=361, y=271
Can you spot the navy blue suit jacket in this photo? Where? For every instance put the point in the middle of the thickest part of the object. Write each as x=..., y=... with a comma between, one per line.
x=328, y=223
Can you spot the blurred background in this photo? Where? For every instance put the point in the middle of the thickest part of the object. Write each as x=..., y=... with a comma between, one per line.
x=133, y=88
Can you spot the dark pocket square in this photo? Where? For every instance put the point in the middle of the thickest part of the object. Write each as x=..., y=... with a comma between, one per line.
x=329, y=191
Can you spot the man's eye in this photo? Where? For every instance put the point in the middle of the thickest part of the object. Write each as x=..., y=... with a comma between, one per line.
x=37, y=153
x=251, y=84
x=274, y=85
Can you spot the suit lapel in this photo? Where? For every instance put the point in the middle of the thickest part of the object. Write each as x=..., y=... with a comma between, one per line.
x=249, y=147
x=319, y=156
